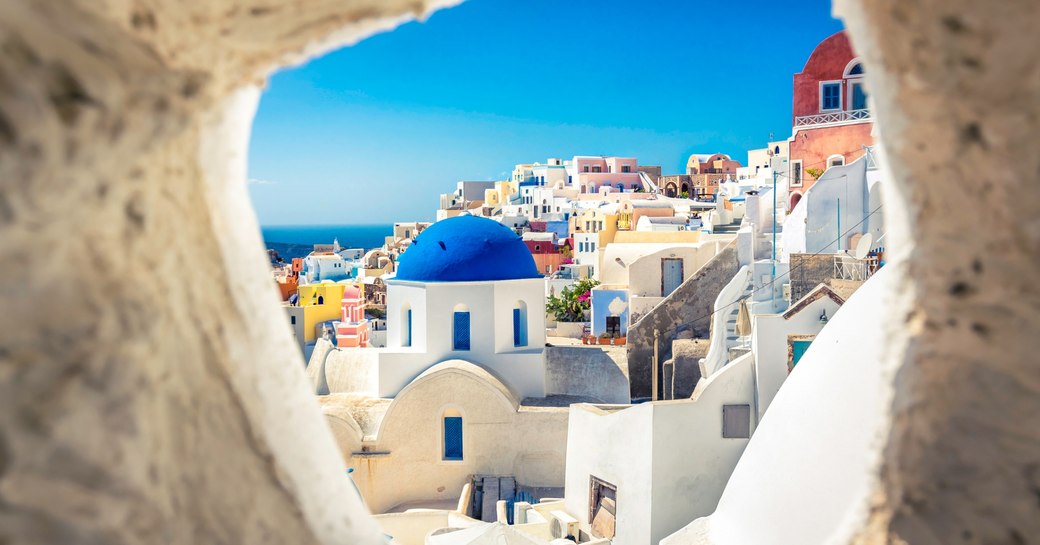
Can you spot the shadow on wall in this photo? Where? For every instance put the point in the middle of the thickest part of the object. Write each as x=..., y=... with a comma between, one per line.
x=686, y=309
x=587, y=372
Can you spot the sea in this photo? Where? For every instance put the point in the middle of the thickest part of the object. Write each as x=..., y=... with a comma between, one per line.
x=298, y=240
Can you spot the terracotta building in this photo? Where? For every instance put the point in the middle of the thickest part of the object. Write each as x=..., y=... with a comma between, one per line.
x=705, y=173
x=831, y=121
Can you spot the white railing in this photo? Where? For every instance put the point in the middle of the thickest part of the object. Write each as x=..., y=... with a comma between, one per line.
x=832, y=117
x=847, y=267
x=718, y=352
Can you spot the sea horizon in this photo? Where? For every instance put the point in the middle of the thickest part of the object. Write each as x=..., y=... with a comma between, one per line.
x=298, y=240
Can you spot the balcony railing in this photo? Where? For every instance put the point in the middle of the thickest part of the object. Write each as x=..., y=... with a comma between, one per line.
x=847, y=267
x=828, y=118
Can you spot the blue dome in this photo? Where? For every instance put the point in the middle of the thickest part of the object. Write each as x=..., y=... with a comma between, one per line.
x=466, y=249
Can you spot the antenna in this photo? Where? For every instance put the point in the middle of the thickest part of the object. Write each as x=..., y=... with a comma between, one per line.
x=863, y=246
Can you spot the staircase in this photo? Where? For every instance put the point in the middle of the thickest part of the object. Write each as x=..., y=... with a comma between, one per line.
x=724, y=321
x=732, y=339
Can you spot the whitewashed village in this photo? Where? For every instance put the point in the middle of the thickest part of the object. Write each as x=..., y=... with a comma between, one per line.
x=582, y=352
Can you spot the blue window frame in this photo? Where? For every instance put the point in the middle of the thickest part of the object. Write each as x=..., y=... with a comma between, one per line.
x=830, y=96
x=460, y=331
x=452, y=437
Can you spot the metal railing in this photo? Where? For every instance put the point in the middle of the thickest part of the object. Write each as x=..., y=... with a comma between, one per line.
x=847, y=267
x=826, y=118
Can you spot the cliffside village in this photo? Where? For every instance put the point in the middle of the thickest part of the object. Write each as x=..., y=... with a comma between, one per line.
x=583, y=351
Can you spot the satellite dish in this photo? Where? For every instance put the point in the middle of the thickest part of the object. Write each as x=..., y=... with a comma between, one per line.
x=863, y=246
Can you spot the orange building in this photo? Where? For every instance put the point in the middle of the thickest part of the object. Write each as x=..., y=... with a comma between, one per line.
x=289, y=283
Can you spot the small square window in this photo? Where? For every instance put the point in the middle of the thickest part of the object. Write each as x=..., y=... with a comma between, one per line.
x=736, y=421
x=830, y=96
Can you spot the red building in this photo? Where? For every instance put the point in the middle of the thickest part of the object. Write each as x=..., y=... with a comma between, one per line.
x=831, y=121
x=548, y=253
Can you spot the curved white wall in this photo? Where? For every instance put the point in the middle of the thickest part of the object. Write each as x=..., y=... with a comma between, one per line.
x=808, y=472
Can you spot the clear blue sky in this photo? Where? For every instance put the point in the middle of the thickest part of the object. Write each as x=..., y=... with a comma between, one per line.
x=375, y=132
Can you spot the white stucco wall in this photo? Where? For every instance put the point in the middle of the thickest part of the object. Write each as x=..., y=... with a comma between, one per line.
x=405, y=461
x=490, y=305
x=769, y=345
x=829, y=465
x=644, y=274
x=668, y=459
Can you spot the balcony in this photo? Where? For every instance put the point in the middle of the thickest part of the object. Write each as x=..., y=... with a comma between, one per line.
x=833, y=118
x=847, y=267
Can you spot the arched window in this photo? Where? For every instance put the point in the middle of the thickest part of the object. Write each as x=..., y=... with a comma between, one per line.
x=406, y=328
x=520, y=324
x=835, y=160
x=460, y=333
x=621, y=187
x=857, y=93
x=452, y=433
x=321, y=300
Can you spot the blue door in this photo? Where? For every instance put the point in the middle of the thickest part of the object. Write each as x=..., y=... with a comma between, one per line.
x=798, y=349
x=671, y=275
x=452, y=437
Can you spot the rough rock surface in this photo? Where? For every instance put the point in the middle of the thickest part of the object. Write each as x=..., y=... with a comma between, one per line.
x=956, y=83
x=150, y=392
x=149, y=388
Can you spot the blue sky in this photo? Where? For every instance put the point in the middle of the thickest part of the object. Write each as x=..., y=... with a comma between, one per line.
x=375, y=132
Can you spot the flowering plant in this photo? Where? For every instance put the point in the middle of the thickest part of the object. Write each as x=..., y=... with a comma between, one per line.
x=573, y=301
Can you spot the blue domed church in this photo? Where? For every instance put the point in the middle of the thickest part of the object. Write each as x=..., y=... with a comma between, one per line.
x=467, y=289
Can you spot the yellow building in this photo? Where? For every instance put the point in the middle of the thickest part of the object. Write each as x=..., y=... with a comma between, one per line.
x=317, y=303
x=596, y=220
x=501, y=194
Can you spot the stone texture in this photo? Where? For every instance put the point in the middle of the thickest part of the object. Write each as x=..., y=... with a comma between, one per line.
x=149, y=387
x=594, y=372
x=956, y=83
x=686, y=355
x=687, y=309
x=809, y=271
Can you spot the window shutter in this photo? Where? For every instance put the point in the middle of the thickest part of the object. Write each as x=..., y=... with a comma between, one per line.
x=736, y=421
x=516, y=328
x=461, y=331
x=453, y=438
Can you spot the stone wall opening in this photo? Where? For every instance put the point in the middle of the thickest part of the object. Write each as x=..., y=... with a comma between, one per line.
x=144, y=394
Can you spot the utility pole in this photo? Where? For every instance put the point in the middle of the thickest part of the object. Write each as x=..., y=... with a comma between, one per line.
x=653, y=372
x=772, y=283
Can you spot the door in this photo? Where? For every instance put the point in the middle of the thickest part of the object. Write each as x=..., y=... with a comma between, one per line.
x=671, y=275
x=798, y=349
x=602, y=508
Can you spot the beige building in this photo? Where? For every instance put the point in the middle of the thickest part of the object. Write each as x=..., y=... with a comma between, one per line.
x=397, y=446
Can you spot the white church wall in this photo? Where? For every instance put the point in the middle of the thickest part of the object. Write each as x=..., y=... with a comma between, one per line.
x=405, y=462
x=506, y=295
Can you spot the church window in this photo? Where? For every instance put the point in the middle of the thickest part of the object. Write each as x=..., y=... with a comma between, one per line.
x=460, y=330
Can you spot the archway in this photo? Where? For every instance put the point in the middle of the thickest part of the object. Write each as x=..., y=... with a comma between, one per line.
x=796, y=197
x=170, y=106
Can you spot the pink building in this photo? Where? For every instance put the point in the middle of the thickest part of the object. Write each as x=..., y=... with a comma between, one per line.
x=352, y=329
x=589, y=174
x=831, y=121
